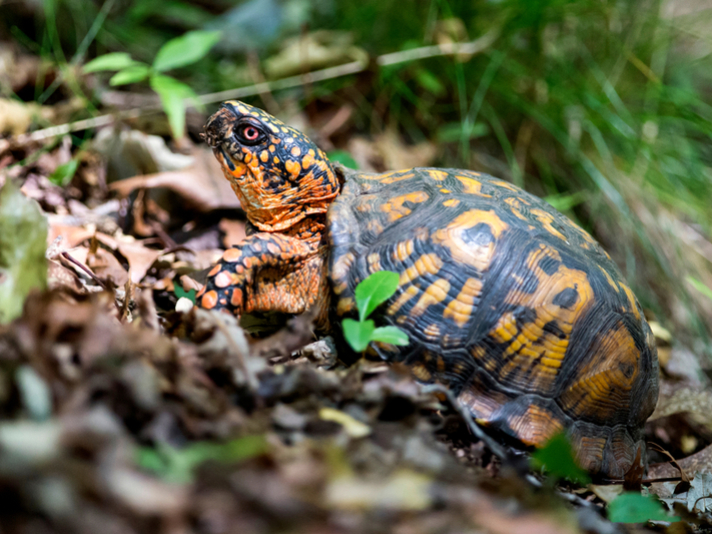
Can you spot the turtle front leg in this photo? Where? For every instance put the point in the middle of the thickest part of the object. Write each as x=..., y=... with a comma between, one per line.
x=267, y=273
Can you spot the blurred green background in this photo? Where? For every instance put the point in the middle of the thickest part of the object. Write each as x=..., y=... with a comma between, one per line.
x=602, y=107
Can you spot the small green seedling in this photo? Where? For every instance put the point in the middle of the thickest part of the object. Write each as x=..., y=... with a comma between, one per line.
x=182, y=293
x=557, y=457
x=179, y=465
x=178, y=52
x=631, y=507
x=370, y=293
x=63, y=174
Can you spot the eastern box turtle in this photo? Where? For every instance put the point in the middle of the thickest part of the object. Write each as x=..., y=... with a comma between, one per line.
x=506, y=302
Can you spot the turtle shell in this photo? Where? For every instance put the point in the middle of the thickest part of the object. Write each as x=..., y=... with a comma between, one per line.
x=508, y=303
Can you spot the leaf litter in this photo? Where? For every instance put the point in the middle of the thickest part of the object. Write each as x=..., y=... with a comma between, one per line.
x=123, y=404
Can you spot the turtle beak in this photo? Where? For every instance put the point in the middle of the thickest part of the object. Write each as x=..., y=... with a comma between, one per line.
x=219, y=126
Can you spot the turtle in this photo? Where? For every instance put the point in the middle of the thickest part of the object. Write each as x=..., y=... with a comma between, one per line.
x=507, y=303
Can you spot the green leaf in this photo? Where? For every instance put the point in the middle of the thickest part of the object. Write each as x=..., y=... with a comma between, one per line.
x=633, y=507
x=184, y=50
x=375, y=290
x=182, y=293
x=430, y=82
x=358, y=333
x=343, y=157
x=390, y=334
x=172, y=94
x=133, y=74
x=557, y=457
x=699, y=286
x=23, y=241
x=113, y=61
x=178, y=465
x=566, y=202
x=63, y=174
x=455, y=131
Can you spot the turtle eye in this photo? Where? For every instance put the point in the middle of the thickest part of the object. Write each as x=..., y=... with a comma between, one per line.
x=249, y=134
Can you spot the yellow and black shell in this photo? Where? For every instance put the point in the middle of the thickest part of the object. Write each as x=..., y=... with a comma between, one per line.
x=506, y=302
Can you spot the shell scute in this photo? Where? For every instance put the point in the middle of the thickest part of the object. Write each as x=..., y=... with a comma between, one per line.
x=508, y=303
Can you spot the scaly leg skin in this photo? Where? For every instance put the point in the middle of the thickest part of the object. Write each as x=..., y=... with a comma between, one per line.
x=268, y=272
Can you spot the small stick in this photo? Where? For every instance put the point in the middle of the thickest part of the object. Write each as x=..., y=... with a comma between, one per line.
x=86, y=269
x=447, y=49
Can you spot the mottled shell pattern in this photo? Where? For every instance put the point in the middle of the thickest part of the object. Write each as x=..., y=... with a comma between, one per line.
x=505, y=301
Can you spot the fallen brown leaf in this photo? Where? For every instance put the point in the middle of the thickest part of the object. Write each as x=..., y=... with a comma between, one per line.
x=696, y=401
x=201, y=184
x=72, y=235
x=700, y=462
x=107, y=267
x=140, y=258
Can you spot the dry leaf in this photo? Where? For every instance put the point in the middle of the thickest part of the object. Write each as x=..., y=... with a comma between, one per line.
x=202, y=184
x=700, y=462
x=693, y=400
x=313, y=51
x=106, y=267
x=72, y=235
x=61, y=277
x=140, y=259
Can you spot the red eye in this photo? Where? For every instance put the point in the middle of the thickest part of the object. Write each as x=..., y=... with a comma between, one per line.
x=250, y=133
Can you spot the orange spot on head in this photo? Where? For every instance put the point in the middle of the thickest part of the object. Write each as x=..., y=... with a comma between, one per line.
x=293, y=168
x=295, y=152
x=308, y=160
x=209, y=300
x=264, y=156
x=215, y=270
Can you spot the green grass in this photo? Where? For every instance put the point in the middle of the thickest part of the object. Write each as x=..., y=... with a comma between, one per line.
x=601, y=105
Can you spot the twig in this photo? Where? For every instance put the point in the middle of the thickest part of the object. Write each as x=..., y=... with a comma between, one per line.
x=448, y=49
x=85, y=269
x=496, y=448
x=480, y=434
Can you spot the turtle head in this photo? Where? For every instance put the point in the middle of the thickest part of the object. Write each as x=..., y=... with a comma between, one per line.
x=278, y=174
